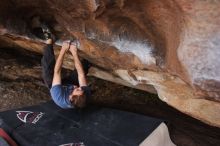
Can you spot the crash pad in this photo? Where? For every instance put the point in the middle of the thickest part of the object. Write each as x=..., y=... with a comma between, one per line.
x=48, y=125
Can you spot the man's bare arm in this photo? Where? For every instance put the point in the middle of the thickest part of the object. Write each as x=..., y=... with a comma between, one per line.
x=58, y=65
x=78, y=66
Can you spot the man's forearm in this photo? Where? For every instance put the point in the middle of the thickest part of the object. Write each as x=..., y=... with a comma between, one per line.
x=58, y=65
x=59, y=62
x=78, y=66
x=80, y=71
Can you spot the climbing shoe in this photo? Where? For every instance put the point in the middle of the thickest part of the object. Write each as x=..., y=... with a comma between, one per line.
x=46, y=31
x=40, y=29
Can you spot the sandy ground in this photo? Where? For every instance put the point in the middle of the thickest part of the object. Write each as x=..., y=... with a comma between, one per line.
x=21, y=85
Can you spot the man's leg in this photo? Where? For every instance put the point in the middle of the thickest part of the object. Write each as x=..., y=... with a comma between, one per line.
x=48, y=62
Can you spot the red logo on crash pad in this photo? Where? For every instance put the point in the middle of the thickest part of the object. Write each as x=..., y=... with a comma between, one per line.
x=29, y=117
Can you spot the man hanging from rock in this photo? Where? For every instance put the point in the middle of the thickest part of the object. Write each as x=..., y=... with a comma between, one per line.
x=73, y=90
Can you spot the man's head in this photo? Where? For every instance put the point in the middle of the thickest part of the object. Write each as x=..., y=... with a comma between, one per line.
x=77, y=97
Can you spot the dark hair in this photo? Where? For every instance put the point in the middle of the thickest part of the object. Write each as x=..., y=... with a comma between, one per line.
x=80, y=101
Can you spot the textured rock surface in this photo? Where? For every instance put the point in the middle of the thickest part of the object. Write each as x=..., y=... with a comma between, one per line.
x=169, y=47
x=21, y=85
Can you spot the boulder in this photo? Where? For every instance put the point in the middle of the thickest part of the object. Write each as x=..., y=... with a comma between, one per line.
x=166, y=47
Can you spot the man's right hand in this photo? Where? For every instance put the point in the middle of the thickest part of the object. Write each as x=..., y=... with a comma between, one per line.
x=65, y=46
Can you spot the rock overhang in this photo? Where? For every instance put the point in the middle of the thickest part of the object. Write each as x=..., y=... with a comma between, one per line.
x=166, y=46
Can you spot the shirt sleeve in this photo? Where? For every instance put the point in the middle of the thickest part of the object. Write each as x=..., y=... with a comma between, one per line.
x=59, y=96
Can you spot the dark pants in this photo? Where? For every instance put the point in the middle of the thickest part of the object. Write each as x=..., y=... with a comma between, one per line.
x=48, y=63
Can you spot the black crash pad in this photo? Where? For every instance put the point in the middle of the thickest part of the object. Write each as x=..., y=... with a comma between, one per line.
x=49, y=125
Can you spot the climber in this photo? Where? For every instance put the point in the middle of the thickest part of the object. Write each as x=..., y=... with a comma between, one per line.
x=71, y=91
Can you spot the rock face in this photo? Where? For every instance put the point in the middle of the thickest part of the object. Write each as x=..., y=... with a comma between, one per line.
x=166, y=47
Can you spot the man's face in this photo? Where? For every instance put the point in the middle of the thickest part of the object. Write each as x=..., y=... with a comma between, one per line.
x=77, y=97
